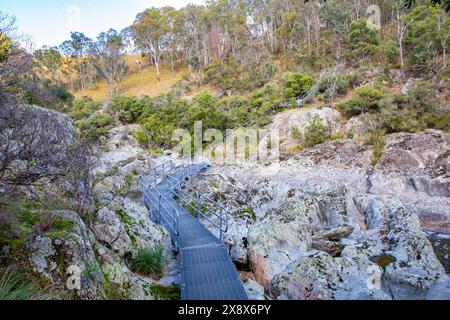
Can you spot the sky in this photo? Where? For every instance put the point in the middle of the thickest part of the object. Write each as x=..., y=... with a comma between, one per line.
x=49, y=22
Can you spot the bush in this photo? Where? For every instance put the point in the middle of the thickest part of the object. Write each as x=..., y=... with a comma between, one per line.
x=127, y=109
x=367, y=99
x=394, y=120
x=142, y=138
x=317, y=133
x=378, y=141
x=391, y=51
x=422, y=97
x=148, y=261
x=83, y=108
x=297, y=84
x=363, y=41
x=423, y=37
x=96, y=125
x=437, y=120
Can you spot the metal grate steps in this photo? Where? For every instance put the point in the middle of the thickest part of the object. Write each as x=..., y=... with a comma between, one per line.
x=207, y=271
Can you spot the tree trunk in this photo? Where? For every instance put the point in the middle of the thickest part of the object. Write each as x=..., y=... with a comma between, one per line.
x=172, y=64
x=158, y=74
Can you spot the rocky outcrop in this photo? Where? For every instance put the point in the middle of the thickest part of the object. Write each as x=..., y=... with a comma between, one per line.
x=55, y=254
x=329, y=240
x=415, y=168
x=38, y=147
x=273, y=244
x=310, y=229
x=120, y=150
x=412, y=273
x=122, y=224
x=286, y=122
x=118, y=226
x=110, y=231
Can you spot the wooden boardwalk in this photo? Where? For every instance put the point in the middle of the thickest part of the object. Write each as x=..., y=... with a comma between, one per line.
x=207, y=271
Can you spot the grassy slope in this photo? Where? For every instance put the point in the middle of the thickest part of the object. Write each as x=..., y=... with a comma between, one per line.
x=138, y=82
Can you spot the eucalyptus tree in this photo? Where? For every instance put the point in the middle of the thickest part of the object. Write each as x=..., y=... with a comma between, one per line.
x=153, y=32
x=336, y=20
x=78, y=47
x=49, y=63
x=192, y=36
x=107, y=54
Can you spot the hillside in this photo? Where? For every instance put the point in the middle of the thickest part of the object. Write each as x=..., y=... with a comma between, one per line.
x=138, y=81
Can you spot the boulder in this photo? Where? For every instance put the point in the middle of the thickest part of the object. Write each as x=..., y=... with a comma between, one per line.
x=415, y=169
x=393, y=247
x=300, y=119
x=330, y=247
x=334, y=234
x=327, y=240
x=110, y=232
x=56, y=254
x=274, y=244
x=319, y=276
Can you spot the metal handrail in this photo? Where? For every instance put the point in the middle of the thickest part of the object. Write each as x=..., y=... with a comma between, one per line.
x=163, y=169
x=158, y=202
x=221, y=227
x=177, y=190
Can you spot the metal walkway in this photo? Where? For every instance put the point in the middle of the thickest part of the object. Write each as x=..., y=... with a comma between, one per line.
x=207, y=271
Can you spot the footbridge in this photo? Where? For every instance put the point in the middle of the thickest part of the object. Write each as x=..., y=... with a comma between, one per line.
x=207, y=271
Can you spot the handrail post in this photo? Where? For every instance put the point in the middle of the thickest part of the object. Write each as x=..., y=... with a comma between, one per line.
x=159, y=209
x=176, y=215
x=221, y=232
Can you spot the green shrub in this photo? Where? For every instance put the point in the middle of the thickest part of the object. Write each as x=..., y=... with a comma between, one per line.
x=422, y=97
x=97, y=125
x=362, y=40
x=297, y=84
x=317, y=133
x=369, y=94
x=127, y=109
x=395, y=120
x=367, y=99
x=149, y=261
x=378, y=141
x=337, y=136
x=343, y=83
x=297, y=134
x=437, y=120
x=391, y=51
x=428, y=25
x=83, y=108
x=142, y=138
x=446, y=72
